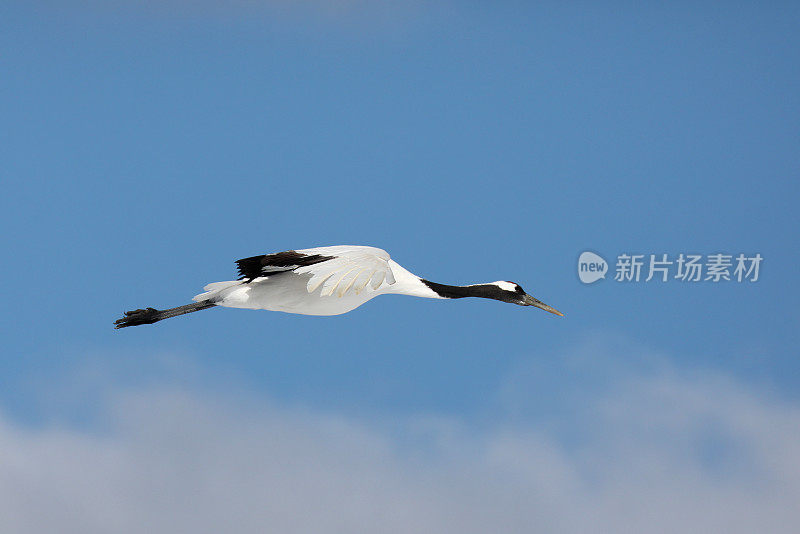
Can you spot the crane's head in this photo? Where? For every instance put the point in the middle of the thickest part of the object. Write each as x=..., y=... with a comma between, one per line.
x=513, y=293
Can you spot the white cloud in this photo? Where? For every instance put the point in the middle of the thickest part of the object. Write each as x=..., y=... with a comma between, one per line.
x=660, y=451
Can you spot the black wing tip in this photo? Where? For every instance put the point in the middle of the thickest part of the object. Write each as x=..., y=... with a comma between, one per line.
x=256, y=266
x=138, y=317
x=250, y=268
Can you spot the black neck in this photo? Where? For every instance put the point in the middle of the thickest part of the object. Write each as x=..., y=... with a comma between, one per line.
x=487, y=291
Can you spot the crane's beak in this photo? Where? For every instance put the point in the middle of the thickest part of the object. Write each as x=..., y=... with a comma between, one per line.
x=528, y=300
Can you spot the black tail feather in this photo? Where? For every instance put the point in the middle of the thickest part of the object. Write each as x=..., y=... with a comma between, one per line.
x=152, y=315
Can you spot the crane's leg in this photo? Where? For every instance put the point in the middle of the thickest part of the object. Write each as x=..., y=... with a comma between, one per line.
x=152, y=315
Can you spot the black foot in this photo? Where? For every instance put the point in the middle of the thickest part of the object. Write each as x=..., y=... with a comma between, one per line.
x=137, y=317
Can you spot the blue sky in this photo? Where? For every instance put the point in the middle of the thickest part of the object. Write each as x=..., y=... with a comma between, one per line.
x=146, y=148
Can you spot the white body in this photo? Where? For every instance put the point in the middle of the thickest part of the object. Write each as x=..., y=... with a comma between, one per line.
x=355, y=275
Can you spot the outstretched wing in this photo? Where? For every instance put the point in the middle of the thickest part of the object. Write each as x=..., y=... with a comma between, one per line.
x=337, y=269
x=352, y=269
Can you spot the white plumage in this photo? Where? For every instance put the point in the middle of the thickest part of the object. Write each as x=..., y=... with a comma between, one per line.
x=355, y=275
x=325, y=281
